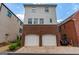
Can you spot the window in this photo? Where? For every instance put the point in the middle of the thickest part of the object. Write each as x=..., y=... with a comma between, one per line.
x=41, y=20
x=33, y=9
x=9, y=14
x=46, y=9
x=0, y=6
x=21, y=23
x=30, y=21
x=20, y=30
x=35, y=20
x=50, y=20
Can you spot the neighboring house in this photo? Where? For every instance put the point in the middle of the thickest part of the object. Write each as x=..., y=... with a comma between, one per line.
x=70, y=27
x=40, y=25
x=10, y=25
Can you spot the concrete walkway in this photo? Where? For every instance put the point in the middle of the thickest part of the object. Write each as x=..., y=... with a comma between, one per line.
x=49, y=50
x=4, y=48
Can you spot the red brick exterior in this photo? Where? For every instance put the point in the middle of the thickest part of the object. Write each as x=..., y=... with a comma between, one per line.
x=71, y=29
x=39, y=30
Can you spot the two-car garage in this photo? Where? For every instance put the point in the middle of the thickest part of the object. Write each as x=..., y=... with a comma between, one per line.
x=47, y=40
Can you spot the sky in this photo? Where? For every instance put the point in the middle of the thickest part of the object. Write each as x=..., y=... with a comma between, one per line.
x=63, y=10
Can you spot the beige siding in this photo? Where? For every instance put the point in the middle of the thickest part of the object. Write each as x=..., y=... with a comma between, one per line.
x=40, y=13
x=8, y=26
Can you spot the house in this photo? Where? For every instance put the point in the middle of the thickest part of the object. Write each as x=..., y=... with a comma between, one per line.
x=70, y=27
x=40, y=25
x=10, y=25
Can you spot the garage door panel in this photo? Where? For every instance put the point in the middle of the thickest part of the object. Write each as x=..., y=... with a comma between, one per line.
x=32, y=40
x=49, y=40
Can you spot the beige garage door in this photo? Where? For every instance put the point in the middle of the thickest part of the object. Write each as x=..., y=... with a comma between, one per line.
x=49, y=40
x=32, y=40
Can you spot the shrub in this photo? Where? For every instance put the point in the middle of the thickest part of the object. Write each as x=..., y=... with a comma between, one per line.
x=16, y=44
x=13, y=46
x=18, y=40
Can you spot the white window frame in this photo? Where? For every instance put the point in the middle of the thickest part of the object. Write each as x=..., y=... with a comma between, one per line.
x=29, y=22
x=50, y=20
x=35, y=20
x=41, y=21
x=46, y=9
x=33, y=9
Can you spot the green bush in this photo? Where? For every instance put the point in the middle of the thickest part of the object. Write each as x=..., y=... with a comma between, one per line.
x=18, y=40
x=13, y=46
x=16, y=44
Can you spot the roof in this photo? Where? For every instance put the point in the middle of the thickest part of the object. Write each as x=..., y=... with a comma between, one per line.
x=54, y=5
x=10, y=11
x=69, y=18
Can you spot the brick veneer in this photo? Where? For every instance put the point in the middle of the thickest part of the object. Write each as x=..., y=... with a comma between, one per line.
x=39, y=30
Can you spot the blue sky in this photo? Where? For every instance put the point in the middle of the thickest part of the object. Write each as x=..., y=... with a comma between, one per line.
x=63, y=10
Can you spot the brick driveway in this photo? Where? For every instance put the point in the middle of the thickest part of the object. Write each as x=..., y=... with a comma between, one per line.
x=49, y=50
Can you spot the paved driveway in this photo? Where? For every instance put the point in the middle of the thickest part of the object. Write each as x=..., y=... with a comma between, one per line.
x=4, y=48
x=49, y=50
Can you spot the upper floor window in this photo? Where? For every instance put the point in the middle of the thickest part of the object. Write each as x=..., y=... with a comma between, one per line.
x=33, y=9
x=21, y=23
x=46, y=9
x=50, y=20
x=0, y=6
x=9, y=14
x=35, y=20
x=20, y=30
x=41, y=21
x=30, y=21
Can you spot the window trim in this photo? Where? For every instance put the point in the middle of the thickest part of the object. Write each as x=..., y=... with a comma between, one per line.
x=9, y=14
x=20, y=30
x=41, y=21
x=30, y=22
x=33, y=9
x=50, y=20
x=36, y=20
x=46, y=9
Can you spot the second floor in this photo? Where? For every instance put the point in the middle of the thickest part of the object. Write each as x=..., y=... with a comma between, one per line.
x=40, y=14
x=41, y=21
